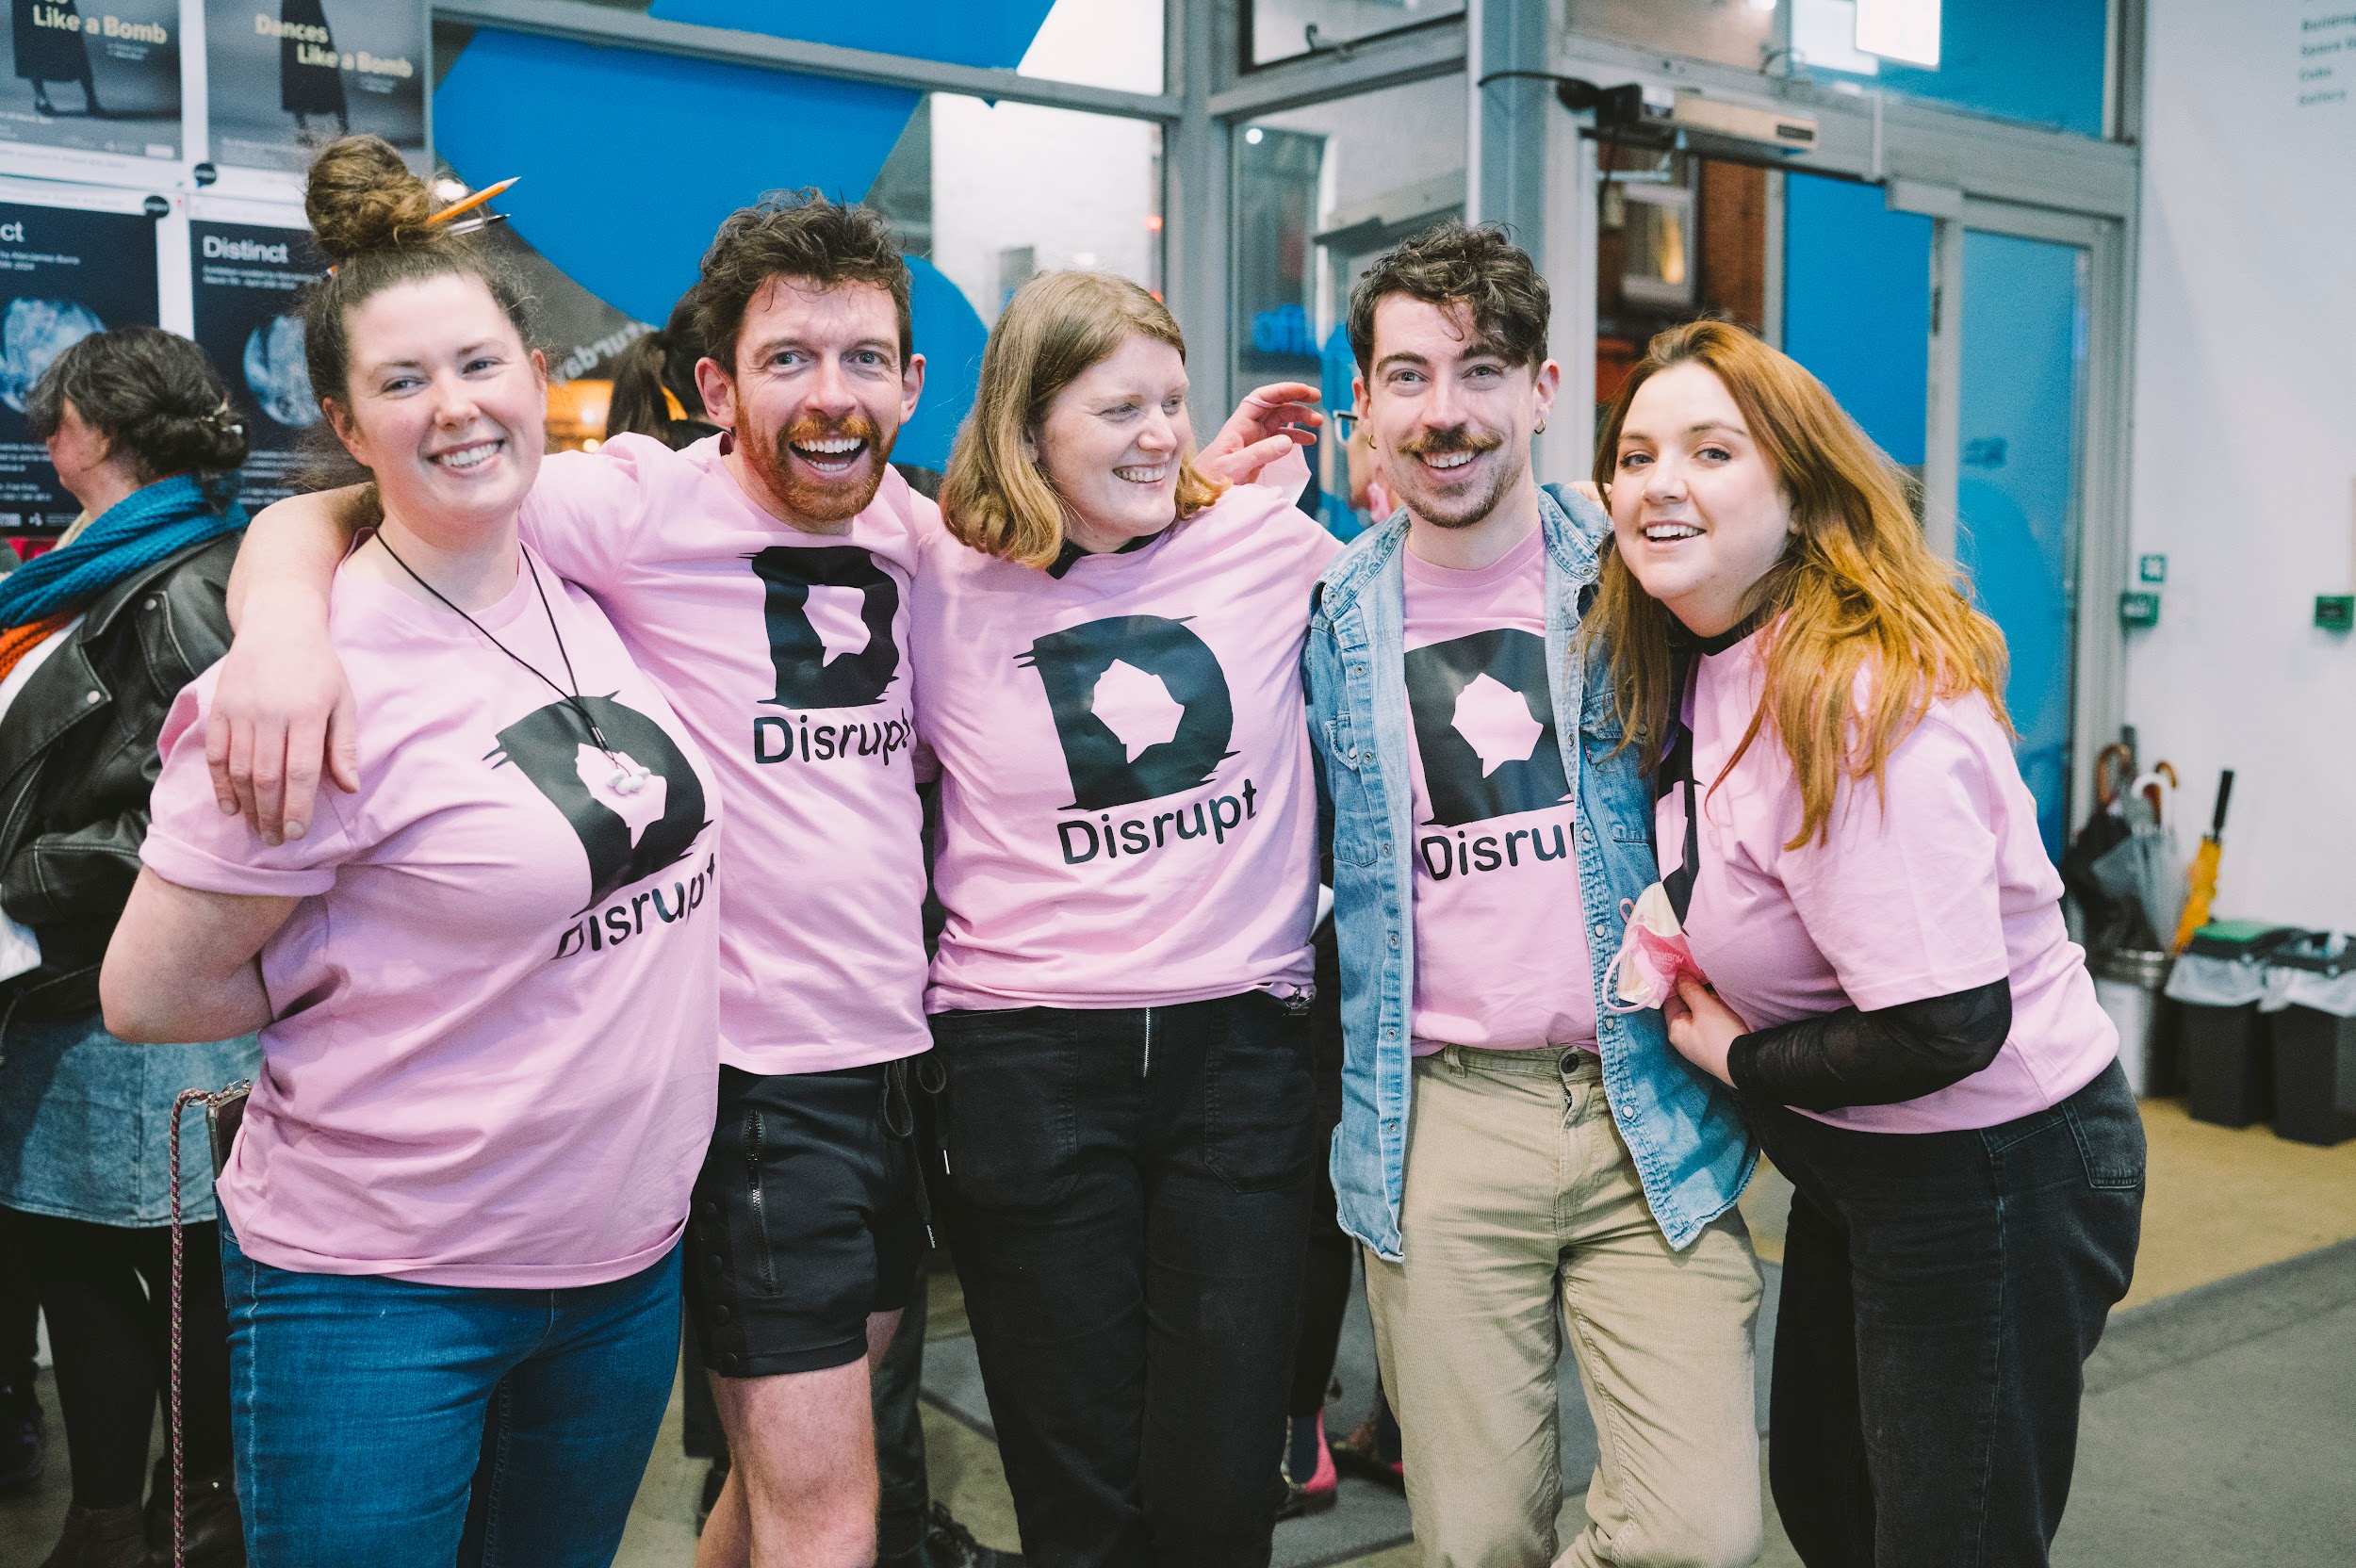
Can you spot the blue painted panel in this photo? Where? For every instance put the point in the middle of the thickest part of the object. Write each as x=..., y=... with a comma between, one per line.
x=996, y=33
x=1857, y=305
x=2038, y=61
x=547, y=110
x=633, y=236
x=950, y=337
x=2023, y=350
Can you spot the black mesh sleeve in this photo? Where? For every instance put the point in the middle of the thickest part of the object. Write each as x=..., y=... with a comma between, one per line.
x=1876, y=1058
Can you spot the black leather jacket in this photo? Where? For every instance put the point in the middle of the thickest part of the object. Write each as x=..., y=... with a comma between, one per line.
x=77, y=758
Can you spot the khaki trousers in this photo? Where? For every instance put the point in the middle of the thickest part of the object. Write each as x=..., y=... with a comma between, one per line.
x=1521, y=1198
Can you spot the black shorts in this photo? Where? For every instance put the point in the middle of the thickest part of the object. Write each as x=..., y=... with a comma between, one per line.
x=806, y=1219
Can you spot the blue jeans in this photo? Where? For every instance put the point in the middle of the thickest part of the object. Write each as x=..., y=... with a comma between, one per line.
x=385, y=1424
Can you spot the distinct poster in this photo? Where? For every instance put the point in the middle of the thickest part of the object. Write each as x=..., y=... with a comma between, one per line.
x=97, y=76
x=63, y=275
x=288, y=77
x=246, y=279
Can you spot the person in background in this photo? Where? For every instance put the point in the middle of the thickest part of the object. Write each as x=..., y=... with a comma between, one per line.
x=1522, y=1162
x=101, y=633
x=487, y=978
x=1313, y=1463
x=1108, y=649
x=654, y=384
x=1878, y=960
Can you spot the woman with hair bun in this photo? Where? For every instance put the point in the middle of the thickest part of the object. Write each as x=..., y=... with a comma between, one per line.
x=485, y=979
x=99, y=634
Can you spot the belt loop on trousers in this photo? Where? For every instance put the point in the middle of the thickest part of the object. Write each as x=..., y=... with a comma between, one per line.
x=1455, y=1056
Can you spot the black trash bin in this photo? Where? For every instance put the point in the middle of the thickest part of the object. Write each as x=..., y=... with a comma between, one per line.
x=2228, y=1060
x=2315, y=1044
x=2229, y=1070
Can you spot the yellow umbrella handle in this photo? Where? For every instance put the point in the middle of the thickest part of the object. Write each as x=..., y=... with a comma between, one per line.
x=2203, y=893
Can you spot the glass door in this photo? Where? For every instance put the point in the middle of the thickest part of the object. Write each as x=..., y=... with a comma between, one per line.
x=2019, y=399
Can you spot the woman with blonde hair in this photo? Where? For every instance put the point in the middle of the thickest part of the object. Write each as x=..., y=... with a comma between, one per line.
x=1109, y=668
x=1878, y=959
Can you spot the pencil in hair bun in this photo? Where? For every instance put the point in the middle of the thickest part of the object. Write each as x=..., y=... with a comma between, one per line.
x=361, y=197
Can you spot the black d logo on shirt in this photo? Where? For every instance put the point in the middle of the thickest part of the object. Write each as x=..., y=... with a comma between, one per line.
x=1140, y=705
x=1484, y=726
x=829, y=611
x=627, y=837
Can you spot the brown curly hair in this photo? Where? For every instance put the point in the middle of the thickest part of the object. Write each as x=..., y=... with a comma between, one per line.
x=796, y=234
x=1479, y=268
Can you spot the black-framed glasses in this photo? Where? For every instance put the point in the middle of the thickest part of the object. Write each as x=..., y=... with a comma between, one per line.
x=1345, y=422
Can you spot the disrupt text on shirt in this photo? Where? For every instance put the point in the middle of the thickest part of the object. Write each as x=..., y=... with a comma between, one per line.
x=1466, y=856
x=784, y=740
x=626, y=918
x=1213, y=817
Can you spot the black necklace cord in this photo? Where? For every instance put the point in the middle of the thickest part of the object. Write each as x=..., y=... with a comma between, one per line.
x=623, y=774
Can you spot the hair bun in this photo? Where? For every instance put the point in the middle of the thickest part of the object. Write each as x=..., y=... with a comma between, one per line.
x=361, y=197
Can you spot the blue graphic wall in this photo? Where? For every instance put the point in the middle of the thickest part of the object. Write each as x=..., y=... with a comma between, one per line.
x=631, y=160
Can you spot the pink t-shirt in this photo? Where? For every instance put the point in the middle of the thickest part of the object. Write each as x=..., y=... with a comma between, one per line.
x=783, y=652
x=1501, y=956
x=1947, y=888
x=1128, y=811
x=496, y=1053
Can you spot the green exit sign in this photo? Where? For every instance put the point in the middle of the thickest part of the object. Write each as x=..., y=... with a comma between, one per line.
x=2139, y=610
x=2335, y=611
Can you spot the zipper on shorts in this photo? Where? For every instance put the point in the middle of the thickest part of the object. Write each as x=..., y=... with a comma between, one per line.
x=1145, y=1068
x=752, y=1183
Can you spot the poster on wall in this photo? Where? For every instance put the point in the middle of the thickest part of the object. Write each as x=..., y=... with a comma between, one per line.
x=94, y=76
x=246, y=279
x=64, y=274
x=286, y=77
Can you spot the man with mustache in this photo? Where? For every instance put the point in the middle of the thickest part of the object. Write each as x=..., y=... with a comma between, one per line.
x=762, y=578
x=1561, y=1168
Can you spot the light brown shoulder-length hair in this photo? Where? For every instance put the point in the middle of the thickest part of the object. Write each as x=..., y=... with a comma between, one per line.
x=996, y=497
x=1856, y=592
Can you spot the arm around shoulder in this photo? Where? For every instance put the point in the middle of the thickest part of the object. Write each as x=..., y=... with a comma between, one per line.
x=284, y=712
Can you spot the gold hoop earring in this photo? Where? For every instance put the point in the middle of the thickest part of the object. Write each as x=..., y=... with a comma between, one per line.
x=1542, y=427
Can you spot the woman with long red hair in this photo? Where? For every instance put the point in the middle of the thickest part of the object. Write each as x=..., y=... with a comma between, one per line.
x=1878, y=960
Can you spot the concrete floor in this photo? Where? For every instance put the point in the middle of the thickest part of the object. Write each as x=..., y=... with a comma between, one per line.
x=2219, y=1424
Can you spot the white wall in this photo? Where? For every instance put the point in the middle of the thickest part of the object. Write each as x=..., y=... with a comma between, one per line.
x=2245, y=440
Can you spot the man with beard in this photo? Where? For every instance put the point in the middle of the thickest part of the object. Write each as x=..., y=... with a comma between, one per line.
x=1561, y=1168
x=761, y=577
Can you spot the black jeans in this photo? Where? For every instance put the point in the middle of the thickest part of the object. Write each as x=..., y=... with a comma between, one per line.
x=1942, y=1292
x=107, y=1291
x=1130, y=1190
x=1333, y=1255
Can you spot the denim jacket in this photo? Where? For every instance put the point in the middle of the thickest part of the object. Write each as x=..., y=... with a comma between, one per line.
x=1692, y=1148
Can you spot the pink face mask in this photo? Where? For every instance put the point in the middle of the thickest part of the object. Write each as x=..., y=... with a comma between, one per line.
x=1652, y=955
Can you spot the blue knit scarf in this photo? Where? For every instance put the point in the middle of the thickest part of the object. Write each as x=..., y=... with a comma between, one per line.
x=141, y=529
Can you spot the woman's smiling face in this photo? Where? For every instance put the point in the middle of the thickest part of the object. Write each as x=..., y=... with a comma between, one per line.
x=1697, y=511
x=1111, y=442
x=444, y=404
